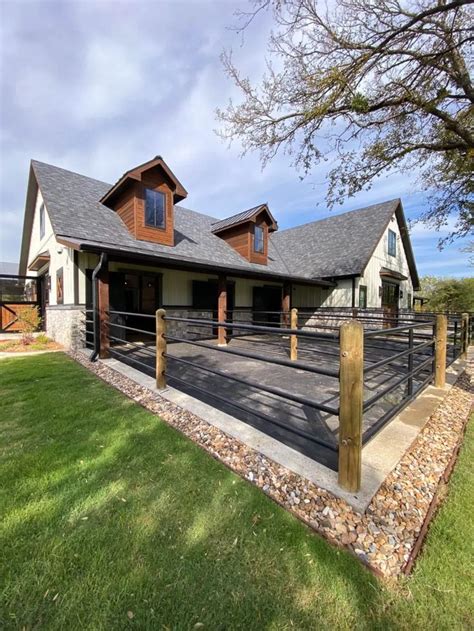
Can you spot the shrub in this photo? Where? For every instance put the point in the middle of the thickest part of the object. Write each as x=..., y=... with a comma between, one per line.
x=42, y=338
x=28, y=320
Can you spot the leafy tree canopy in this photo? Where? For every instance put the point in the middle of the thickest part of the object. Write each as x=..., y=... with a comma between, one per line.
x=386, y=85
x=447, y=294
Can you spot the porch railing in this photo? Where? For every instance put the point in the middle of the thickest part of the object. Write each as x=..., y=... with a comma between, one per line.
x=376, y=371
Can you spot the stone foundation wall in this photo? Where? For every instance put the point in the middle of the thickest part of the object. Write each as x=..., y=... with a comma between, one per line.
x=65, y=325
x=185, y=329
x=335, y=317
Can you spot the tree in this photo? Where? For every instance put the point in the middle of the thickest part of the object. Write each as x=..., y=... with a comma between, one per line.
x=448, y=294
x=385, y=85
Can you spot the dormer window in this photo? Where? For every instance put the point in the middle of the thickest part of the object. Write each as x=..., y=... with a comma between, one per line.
x=247, y=232
x=144, y=199
x=155, y=208
x=258, y=242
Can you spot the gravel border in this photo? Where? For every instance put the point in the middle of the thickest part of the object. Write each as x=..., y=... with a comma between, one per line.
x=388, y=535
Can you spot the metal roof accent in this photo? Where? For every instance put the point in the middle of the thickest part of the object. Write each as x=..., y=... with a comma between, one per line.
x=39, y=261
x=243, y=217
x=391, y=273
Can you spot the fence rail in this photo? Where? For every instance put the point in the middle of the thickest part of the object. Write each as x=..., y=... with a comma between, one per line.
x=375, y=370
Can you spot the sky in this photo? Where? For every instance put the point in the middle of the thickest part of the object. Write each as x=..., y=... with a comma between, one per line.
x=98, y=87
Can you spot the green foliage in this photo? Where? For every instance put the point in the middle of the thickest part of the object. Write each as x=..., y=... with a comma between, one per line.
x=29, y=321
x=113, y=520
x=447, y=294
x=42, y=338
x=359, y=103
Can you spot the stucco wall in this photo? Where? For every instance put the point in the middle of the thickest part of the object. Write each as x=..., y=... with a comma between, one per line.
x=381, y=258
x=60, y=256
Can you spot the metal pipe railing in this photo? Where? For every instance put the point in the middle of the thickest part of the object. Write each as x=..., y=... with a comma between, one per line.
x=279, y=362
x=256, y=384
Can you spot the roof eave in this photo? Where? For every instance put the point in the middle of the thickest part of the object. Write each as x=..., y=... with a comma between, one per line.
x=31, y=194
x=164, y=260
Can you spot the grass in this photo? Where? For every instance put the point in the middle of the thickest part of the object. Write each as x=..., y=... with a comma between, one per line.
x=113, y=520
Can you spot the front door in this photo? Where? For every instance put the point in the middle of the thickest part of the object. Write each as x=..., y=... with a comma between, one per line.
x=134, y=292
x=390, y=295
x=205, y=299
x=267, y=305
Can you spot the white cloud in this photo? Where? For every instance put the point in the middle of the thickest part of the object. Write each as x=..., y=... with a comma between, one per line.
x=97, y=87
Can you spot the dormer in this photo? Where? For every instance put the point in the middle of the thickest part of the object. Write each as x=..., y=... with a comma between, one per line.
x=144, y=198
x=247, y=232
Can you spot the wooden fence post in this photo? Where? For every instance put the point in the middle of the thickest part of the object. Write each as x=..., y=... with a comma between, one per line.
x=294, y=338
x=160, y=349
x=441, y=332
x=104, y=317
x=465, y=333
x=222, y=309
x=351, y=392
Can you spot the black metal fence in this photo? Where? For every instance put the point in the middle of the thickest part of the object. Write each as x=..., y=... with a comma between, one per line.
x=398, y=362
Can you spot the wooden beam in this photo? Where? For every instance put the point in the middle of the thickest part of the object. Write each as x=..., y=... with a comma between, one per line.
x=222, y=309
x=441, y=332
x=160, y=349
x=351, y=388
x=103, y=305
x=286, y=303
x=465, y=334
x=294, y=338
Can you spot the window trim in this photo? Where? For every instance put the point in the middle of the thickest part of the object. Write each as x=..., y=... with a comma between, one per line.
x=42, y=221
x=262, y=251
x=390, y=251
x=364, y=293
x=165, y=202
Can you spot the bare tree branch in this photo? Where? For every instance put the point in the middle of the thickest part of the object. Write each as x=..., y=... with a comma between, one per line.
x=384, y=84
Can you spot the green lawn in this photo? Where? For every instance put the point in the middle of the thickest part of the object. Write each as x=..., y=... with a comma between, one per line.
x=113, y=520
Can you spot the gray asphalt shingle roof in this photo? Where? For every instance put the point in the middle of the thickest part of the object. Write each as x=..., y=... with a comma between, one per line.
x=338, y=245
x=71, y=202
x=335, y=246
x=8, y=268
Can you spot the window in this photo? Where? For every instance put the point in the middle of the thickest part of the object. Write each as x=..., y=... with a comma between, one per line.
x=155, y=205
x=392, y=243
x=258, y=239
x=42, y=221
x=409, y=301
x=362, y=297
x=59, y=287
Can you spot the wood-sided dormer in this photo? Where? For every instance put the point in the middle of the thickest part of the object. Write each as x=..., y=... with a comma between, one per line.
x=247, y=232
x=144, y=198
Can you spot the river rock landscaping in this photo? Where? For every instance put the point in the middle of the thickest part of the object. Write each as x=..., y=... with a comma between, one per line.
x=386, y=536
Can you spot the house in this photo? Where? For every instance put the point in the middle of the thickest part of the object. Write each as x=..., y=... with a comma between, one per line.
x=149, y=250
x=8, y=269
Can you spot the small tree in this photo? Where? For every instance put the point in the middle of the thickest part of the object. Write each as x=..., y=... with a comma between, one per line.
x=29, y=321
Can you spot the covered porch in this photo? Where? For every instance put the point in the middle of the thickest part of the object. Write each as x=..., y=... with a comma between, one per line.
x=119, y=287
